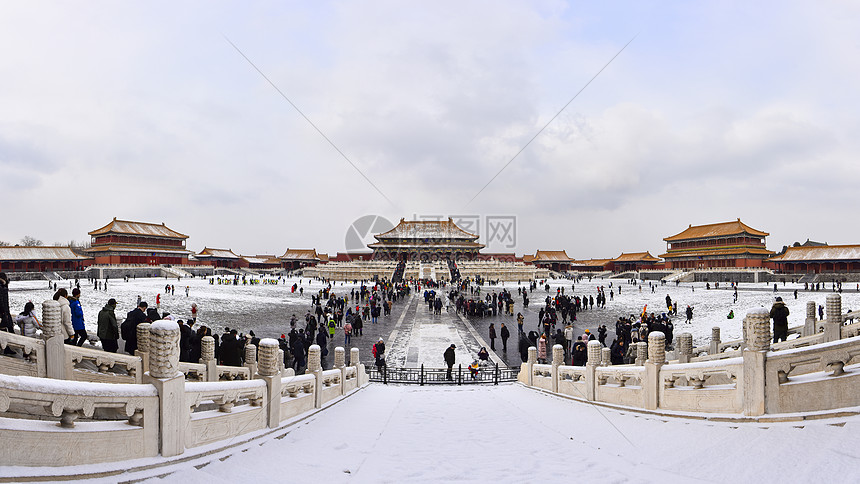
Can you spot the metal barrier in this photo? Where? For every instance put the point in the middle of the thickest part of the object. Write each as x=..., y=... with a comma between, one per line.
x=439, y=376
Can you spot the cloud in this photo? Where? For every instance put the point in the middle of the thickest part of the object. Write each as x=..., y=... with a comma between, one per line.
x=143, y=111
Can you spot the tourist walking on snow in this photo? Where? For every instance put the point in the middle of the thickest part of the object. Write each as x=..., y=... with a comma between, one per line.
x=61, y=296
x=450, y=357
x=108, y=331
x=779, y=312
x=77, y=317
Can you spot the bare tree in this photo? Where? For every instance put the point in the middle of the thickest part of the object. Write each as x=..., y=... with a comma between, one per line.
x=3, y=243
x=31, y=241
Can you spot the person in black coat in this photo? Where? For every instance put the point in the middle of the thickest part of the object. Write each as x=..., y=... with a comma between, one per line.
x=231, y=349
x=779, y=312
x=617, y=352
x=505, y=335
x=449, y=360
x=129, y=327
x=580, y=352
x=6, y=323
x=524, y=344
x=185, y=335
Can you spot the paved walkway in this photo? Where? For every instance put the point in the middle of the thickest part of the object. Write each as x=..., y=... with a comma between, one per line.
x=421, y=337
x=513, y=434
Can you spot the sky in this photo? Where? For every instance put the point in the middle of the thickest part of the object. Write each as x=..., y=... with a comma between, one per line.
x=715, y=111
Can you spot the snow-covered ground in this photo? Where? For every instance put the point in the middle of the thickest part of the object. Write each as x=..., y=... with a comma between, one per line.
x=267, y=308
x=513, y=434
x=263, y=308
x=710, y=307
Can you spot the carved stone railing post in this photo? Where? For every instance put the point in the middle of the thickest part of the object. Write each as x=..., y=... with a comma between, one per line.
x=605, y=357
x=715, y=341
x=142, y=350
x=340, y=364
x=268, y=370
x=809, y=324
x=641, y=353
x=656, y=360
x=757, y=341
x=531, y=361
x=281, y=365
x=164, y=374
x=251, y=358
x=315, y=368
x=339, y=357
x=55, y=349
x=360, y=376
x=207, y=357
x=557, y=360
x=832, y=325
x=685, y=347
x=595, y=354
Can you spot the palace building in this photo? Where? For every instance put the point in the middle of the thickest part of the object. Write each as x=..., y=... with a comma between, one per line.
x=127, y=242
x=298, y=258
x=818, y=259
x=726, y=244
x=426, y=240
x=223, y=258
x=554, y=260
x=41, y=259
x=634, y=261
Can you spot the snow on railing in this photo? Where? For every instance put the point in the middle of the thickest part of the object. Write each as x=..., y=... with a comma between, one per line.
x=808, y=373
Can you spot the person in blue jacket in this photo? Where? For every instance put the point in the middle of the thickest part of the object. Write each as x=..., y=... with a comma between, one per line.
x=77, y=318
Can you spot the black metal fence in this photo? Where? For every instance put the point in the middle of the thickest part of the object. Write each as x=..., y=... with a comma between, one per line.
x=440, y=376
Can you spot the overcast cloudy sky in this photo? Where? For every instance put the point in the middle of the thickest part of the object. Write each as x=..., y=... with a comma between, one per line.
x=717, y=110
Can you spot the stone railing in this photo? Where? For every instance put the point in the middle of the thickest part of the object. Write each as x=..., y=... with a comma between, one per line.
x=80, y=422
x=47, y=355
x=29, y=358
x=87, y=364
x=810, y=374
x=221, y=408
x=820, y=377
x=128, y=428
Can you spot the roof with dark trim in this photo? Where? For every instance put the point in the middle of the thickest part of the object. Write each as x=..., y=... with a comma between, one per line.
x=128, y=227
x=38, y=253
x=819, y=254
x=735, y=227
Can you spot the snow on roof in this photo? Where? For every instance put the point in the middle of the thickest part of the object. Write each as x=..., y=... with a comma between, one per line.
x=591, y=262
x=636, y=257
x=551, y=256
x=261, y=259
x=219, y=253
x=21, y=253
x=819, y=253
x=735, y=227
x=426, y=229
x=300, y=254
x=138, y=228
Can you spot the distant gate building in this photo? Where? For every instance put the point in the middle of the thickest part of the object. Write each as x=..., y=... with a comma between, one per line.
x=426, y=240
x=127, y=242
x=726, y=244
